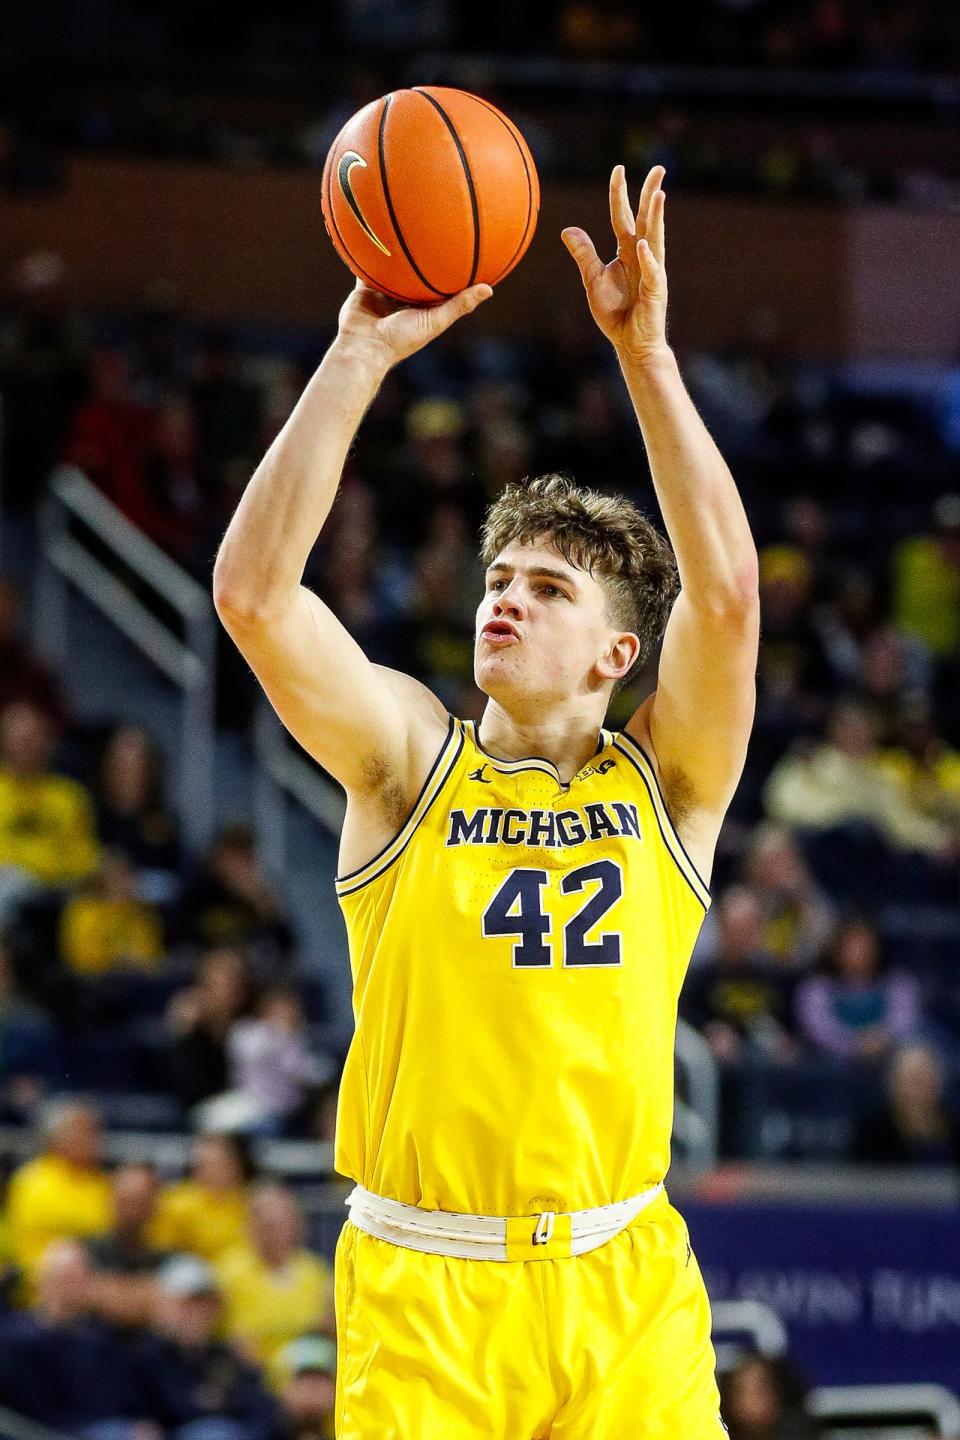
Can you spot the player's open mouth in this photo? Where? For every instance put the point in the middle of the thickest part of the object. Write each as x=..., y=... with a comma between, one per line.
x=499, y=632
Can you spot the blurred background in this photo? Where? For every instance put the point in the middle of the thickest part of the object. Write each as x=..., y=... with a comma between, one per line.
x=174, y=986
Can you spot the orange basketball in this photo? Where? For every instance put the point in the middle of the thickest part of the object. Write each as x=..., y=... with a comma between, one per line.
x=427, y=191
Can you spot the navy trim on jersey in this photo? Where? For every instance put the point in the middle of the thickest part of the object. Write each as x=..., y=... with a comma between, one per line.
x=676, y=833
x=447, y=757
x=665, y=825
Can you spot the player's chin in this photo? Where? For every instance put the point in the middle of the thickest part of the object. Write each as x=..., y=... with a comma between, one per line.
x=494, y=669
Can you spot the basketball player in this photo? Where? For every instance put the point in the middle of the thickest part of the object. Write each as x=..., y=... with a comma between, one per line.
x=521, y=900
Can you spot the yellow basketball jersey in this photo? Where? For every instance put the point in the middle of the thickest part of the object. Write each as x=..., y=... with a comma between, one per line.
x=517, y=953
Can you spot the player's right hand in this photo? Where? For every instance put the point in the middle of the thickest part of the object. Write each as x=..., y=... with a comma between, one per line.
x=388, y=331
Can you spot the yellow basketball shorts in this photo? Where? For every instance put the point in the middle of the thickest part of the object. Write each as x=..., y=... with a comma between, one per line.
x=612, y=1345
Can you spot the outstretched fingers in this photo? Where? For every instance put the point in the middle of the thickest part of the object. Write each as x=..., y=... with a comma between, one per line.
x=582, y=249
x=649, y=189
x=621, y=216
x=655, y=234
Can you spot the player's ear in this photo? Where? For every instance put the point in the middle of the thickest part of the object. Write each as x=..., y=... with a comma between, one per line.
x=620, y=656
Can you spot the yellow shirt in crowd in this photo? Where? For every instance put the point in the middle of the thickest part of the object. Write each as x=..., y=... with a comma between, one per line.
x=47, y=828
x=265, y=1309
x=97, y=934
x=206, y=1222
x=50, y=1198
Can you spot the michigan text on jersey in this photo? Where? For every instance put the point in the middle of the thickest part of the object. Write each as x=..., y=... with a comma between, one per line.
x=546, y=829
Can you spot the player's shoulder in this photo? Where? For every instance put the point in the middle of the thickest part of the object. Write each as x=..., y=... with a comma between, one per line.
x=428, y=721
x=417, y=699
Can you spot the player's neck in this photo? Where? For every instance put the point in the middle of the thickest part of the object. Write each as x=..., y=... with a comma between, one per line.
x=567, y=740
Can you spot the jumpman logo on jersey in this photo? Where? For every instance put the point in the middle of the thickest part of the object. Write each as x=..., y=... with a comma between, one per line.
x=478, y=775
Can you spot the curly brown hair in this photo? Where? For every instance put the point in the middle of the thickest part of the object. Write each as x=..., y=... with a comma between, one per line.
x=605, y=535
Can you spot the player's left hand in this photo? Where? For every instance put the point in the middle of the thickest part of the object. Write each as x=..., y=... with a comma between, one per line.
x=628, y=297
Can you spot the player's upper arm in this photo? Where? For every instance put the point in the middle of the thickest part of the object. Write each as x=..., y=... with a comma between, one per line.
x=701, y=715
x=354, y=717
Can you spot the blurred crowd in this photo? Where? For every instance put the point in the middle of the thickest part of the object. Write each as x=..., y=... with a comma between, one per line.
x=191, y=1308
x=274, y=87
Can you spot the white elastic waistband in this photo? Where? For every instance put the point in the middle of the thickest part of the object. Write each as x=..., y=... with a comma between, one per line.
x=486, y=1237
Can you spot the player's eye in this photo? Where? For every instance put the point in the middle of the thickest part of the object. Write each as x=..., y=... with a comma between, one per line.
x=496, y=585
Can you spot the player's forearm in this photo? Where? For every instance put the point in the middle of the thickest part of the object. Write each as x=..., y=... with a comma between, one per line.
x=283, y=509
x=701, y=506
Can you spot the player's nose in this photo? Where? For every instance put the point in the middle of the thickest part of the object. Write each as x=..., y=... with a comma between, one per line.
x=511, y=600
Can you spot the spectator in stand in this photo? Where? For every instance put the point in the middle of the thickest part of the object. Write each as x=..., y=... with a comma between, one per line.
x=272, y=1063
x=29, y=1049
x=443, y=608
x=914, y=1125
x=47, y=835
x=308, y=1393
x=194, y=1386
x=207, y=1213
x=200, y=1019
x=926, y=581
x=794, y=668
x=739, y=997
x=892, y=665
x=59, y=1366
x=798, y=917
x=921, y=763
x=126, y=1259
x=763, y=1399
x=170, y=469
x=22, y=676
x=10, y=1276
x=64, y=1191
x=232, y=902
x=227, y=410
x=108, y=433
x=132, y=813
x=840, y=781
x=858, y=1007
x=43, y=344
x=274, y=1289
x=105, y=926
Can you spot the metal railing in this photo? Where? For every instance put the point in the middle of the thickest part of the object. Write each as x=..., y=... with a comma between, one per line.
x=696, y=1119
x=75, y=510
x=736, y=1321
x=885, y=1405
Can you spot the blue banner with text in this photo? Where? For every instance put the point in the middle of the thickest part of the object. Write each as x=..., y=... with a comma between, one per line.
x=866, y=1294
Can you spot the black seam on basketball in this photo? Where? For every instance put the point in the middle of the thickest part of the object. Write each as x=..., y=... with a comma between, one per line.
x=443, y=294
x=526, y=170
x=377, y=284
x=466, y=170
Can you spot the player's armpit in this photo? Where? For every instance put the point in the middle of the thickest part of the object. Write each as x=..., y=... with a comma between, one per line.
x=354, y=717
x=701, y=715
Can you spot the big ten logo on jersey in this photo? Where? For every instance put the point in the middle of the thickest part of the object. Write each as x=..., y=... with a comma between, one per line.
x=602, y=769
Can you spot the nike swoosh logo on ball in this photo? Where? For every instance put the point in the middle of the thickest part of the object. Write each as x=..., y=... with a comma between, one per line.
x=348, y=159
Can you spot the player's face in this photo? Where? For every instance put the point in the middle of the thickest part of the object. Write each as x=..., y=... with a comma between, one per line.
x=542, y=628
